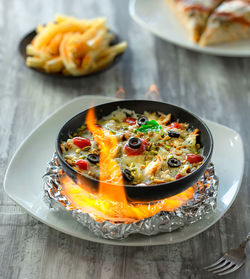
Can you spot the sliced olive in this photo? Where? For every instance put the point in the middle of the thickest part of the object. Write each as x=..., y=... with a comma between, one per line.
x=127, y=175
x=134, y=143
x=123, y=138
x=173, y=134
x=173, y=162
x=93, y=158
x=142, y=120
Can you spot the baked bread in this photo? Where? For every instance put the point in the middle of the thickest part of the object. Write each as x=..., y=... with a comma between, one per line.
x=229, y=22
x=194, y=14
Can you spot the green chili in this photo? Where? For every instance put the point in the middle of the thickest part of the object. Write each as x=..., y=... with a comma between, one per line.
x=150, y=126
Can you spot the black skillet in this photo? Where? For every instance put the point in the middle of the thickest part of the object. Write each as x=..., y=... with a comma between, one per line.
x=150, y=192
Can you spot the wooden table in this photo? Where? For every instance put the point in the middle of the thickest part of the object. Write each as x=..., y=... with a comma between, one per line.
x=213, y=87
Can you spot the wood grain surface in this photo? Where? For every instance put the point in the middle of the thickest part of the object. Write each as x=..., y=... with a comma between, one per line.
x=213, y=87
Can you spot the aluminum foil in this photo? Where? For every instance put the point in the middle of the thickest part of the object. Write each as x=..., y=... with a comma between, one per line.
x=202, y=203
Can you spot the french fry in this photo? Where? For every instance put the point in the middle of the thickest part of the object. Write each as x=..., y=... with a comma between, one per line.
x=66, y=55
x=97, y=41
x=84, y=69
x=44, y=38
x=91, y=32
x=53, y=47
x=32, y=51
x=39, y=28
x=116, y=49
x=108, y=39
x=54, y=65
x=104, y=62
x=60, y=18
x=73, y=46
x=35, y=62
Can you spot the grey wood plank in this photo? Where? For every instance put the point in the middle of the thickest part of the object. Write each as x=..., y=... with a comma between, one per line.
x=213, y=87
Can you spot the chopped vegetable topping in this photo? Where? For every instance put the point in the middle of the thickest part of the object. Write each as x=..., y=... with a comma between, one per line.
x=93, y=158
x=173, y=134
x=175, y=125
x=129, y=120
x=178, y=176
x=150, y=126
x=142, y=120
x=136, y=151
x=82, y=164
x=81, y=142
x=78, y=151
x=134, y=143
x=194, y=158
x=127, y=175
x=173, y=162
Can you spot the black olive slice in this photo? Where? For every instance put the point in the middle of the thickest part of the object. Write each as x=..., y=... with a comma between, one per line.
x=93, y=158
x=134, y=143
x=174, y=163
x=173, y=134
x=127, y=175
x=142, y=120
x=123, y=138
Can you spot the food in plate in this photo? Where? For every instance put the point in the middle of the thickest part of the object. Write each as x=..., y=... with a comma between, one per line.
x=73, y=46
x=194, y=14
x=215, y=21
x=229, y=22
x=151, y=148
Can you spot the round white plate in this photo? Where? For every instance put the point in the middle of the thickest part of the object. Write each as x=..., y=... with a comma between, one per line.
x=23, y=180
x=160, y=19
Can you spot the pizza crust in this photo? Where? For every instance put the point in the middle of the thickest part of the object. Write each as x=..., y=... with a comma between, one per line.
x=194, y=21
x=212, y=22
x=193, y=17
x=235, y=31
x=229, y=22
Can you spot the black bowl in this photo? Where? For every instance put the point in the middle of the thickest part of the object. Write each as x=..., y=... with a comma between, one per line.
x=150, y=192
x=29, y=37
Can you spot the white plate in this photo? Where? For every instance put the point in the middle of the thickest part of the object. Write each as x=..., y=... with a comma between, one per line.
x=23, y=180
x=157, y=17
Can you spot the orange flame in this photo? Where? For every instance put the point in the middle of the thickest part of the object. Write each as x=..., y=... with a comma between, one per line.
x=110, y=203
x=153, y=92
x=109, y=168
x=120, y=93
x=101, y=208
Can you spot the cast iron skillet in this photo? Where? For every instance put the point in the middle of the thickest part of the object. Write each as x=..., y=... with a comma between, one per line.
x=151, y=192
x=29, y=37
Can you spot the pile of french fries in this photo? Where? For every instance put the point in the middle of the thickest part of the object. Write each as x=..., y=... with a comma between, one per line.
x=73, y=46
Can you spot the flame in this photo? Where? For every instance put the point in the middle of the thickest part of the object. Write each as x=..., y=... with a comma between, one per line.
x=110, y=203
x=109, y=168
x=120, y=93
x=153, y=92
x=101, y=208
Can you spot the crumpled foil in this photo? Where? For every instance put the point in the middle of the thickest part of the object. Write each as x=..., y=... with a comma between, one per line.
x=202, y=203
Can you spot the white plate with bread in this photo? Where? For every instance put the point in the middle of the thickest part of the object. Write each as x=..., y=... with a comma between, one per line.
x=166, y=20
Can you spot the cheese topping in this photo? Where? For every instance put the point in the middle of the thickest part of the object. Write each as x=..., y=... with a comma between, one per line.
x=151, y=148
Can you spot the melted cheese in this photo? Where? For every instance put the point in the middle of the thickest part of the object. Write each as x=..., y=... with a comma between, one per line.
x=152, y=165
